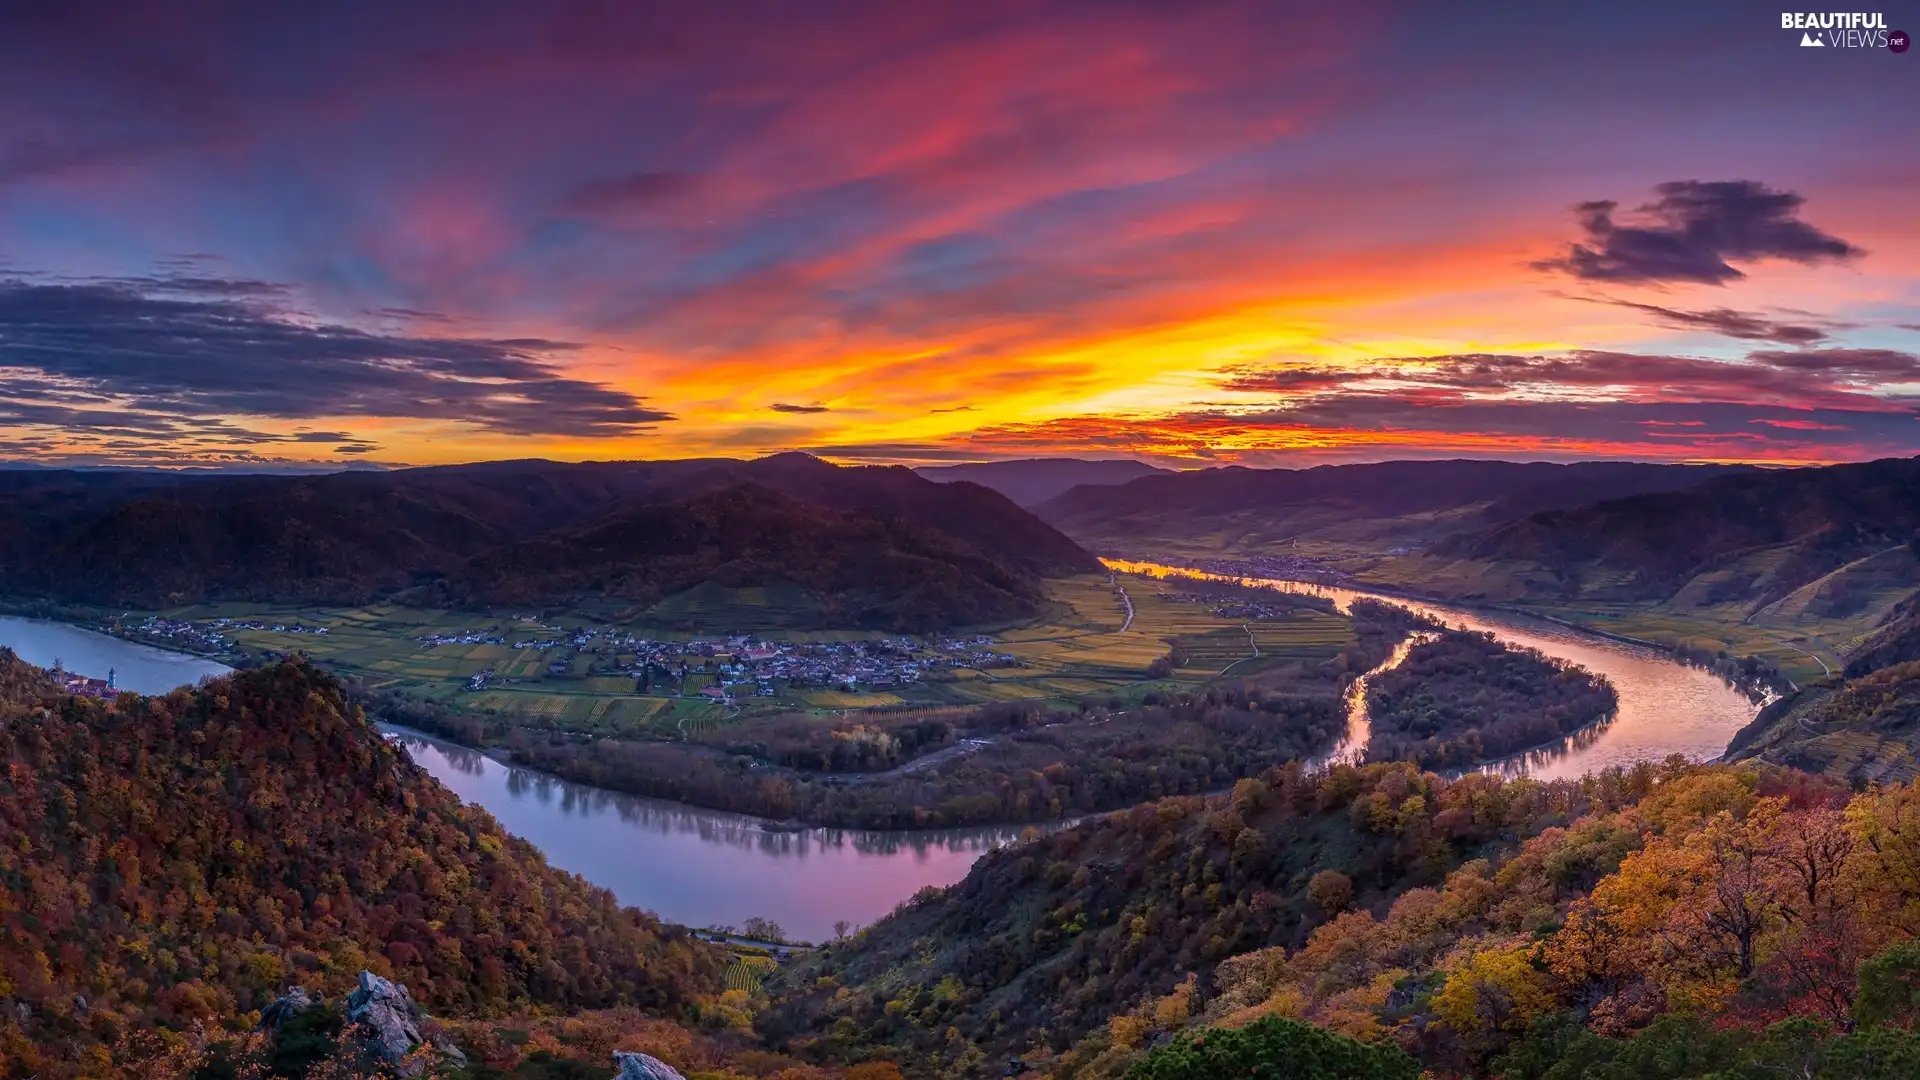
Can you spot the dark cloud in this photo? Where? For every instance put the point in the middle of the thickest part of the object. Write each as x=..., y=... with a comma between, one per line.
x=1915, y=327
x=360, y=448
x=1693, y=231
x=955, y=408
x=161, y=353
x=1745, y=325
x=786, y=408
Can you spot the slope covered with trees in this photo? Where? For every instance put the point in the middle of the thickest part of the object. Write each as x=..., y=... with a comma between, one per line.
x=1373, y=506
x=535, y=532
x=1753, y=536
x=1680, y=922
x=177, y=861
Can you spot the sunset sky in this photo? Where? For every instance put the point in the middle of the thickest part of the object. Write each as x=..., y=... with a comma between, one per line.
x=1194, y=233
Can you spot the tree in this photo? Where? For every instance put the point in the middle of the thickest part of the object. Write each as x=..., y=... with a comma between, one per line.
x=1273, y=1048
x=1889, y=992
x=1331, y=891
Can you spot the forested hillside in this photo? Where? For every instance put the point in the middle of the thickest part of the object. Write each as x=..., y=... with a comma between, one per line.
x=1353, y=509
x=180, y=860
x=1680, y=921
x=1751, y=537
x=879, y=545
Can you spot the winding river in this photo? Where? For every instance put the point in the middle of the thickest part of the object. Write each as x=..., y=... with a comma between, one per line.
x=706, y=868
x=1665, y=707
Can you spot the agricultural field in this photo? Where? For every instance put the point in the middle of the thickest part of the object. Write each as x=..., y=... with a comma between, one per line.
x=578, y=673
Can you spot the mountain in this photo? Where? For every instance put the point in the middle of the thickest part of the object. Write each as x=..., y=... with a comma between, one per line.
x=1370, y=507
x=1031, y=481
x=181, y=859
x=1748, y=539
x=352, y=538
x=863, y=567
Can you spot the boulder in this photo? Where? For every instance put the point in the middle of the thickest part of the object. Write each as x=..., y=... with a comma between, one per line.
x=635, y=1066
x=285, y=1007
x=393, y=1027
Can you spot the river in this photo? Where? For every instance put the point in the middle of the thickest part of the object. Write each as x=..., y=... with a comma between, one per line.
x=705, y=868
x=1665, y=707
x=140, y=668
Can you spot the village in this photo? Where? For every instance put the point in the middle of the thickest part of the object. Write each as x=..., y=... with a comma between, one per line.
x=719, y=669
x=743, y=665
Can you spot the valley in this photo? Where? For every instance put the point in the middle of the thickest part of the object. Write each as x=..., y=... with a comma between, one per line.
x=1167, y=787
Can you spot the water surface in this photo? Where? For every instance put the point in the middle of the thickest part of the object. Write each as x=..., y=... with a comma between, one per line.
x=140, y=668
x=705, y=867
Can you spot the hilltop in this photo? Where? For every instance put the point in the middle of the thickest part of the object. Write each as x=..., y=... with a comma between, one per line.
x=1031, y=481
x=527, y=531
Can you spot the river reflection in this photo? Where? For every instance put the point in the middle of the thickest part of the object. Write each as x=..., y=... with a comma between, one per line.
x=1665, y=707
x=704, y=867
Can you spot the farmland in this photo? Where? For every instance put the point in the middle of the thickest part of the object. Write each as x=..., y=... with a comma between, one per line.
x=586, y=673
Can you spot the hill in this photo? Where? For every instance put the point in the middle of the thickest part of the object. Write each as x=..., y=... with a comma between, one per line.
x=353, y=537
x=863, y=568
x=181, y=859
x=1679, y=922
x=1348, y=509
x=1747, y=539
x=1032, y=481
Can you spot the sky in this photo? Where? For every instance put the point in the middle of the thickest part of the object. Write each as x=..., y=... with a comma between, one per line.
x=302, y=235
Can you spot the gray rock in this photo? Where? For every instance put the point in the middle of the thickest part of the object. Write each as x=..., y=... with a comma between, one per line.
x=285, y=1007
x=393, y=1026
x=634, y=1066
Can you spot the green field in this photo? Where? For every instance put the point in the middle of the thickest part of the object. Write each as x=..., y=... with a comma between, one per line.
x=1077, y=649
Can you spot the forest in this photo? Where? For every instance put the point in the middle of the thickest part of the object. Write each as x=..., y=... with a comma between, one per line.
x=1671, y=921
x=177, y=861
x=1464, y=698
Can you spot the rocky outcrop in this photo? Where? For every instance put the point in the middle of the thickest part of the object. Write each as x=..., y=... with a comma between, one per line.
x=285, y=1007
x=634, y=1066
x=394, y=1028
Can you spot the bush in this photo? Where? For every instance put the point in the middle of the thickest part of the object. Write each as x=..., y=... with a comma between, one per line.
x=1273, y=1048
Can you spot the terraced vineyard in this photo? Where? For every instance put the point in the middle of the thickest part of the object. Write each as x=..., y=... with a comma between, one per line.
x=747, y=973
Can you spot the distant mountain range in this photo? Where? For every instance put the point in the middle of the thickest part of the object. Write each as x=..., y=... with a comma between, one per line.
x=1361, y=508
x=1031, y=481
x=1750, y=538
x=877, y=545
